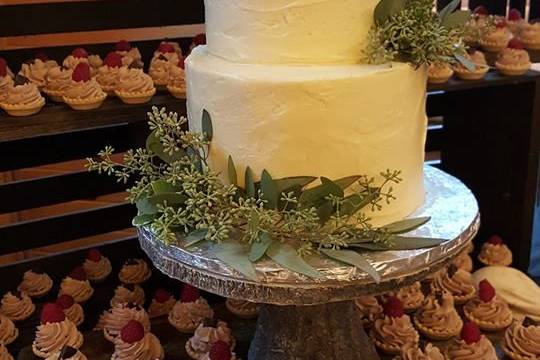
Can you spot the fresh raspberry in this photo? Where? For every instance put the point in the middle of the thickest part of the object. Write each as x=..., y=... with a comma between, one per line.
x=81, y=72
x=189, y=294
x=199, y=39
x=122, y=45
x=132, y=332
x=220, y=350
x=517, y=45
x=514, y=15
x=3, y=67
x=78, y=273
x=495, y=240
x=52, y=313
x=42, y=56
x=481, y=10
x=470, y=333
x=65, y=302
x=182, y=63
x=113, y=59
x=165, y=48
x=93, y=255
x=79, y=53
x=162, y=296
x=393, y=307
x=486, y=292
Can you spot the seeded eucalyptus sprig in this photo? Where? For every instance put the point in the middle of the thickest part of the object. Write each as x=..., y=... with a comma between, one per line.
x=410, y=31
x=287, y=220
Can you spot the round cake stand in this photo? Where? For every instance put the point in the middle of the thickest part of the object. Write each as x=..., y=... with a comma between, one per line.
x=311, y=319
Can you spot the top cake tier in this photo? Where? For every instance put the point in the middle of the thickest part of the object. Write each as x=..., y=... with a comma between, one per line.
x=288, y=31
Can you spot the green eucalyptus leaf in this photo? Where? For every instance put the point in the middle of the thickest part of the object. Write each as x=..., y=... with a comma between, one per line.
x=345, y=182
x=195, y=237
x=233, y=177
x=468, y=64
x=154, y=145
x=258, y=248
x=387, y=8
x=316, y=196
x=456, y=19
x=170, y=198
x=235, y=255
x=143, y=219
x=355, y=259
x=269, y=190
x=195, y=159
x=162, y=186
x=289, y=183
x=249, y=183
x=145, y=207
x=286, y=256
x=449, y=8
x=369, y=246
x=254, y=221
x=404, y=226
x=412, y=243
x=206, y=124
x=325, y=212
x=354, y=203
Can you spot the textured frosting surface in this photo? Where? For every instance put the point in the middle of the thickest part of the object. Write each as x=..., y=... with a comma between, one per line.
x=35, y=284
x=332, y=121
x=523, y=341
x=51, y=337
x=481, y=350
x=288, y=31
x=188, y=315
x=149, y=348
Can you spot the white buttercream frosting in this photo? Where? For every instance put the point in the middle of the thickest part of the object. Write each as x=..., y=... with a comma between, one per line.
x=289, y=31
x=326, y=120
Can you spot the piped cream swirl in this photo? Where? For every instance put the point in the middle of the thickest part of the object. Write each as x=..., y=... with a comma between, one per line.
x=116, y=318
x=4, y=354
x=8, y=331
x=522, y=341
x=84, y=90
x=17, y=308
x=481, y=350
x=190, y=315
x=395, y=331
x=134, y=80
x=123, y=294
x=36, y=71
x=52, y=337
x=25, y=94
x=411, y=351
x=439, y=317
x=97, y=270
x=59, y=79
x=35, y=284
x=149, y=348
x=204, y=337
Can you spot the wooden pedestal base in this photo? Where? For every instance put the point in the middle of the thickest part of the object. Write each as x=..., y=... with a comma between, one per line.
x=319, y=332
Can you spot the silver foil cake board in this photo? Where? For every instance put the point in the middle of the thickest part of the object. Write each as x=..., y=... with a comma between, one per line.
x=454, y=217
x=316, y=319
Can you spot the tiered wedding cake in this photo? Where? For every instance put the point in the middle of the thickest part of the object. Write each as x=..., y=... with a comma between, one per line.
x=284, y=85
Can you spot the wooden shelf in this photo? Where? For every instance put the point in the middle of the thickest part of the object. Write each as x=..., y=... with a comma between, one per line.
x=492, y=79
x=58, y=118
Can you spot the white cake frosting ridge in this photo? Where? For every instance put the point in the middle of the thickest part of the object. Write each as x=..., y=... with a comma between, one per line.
x=288, y=31
x=320, y=120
